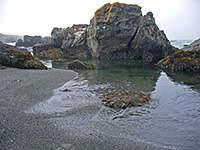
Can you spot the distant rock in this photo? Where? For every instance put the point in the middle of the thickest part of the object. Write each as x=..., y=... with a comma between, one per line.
x=18, y=58
x=47, y=50
x=29, y=41
x=9, y=38
x=80, y=65
x=193, y=46
x=181, y=61
x=117, y=31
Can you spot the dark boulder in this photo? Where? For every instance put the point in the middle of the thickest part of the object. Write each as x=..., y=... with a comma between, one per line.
x=19, y=58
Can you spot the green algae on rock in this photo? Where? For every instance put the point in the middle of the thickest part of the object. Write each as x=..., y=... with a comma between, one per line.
x=18, y=58
x=181, y=61
x=124, y=99
x=78, y=64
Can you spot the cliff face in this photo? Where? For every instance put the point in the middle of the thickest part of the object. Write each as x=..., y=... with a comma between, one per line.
x=117, y=31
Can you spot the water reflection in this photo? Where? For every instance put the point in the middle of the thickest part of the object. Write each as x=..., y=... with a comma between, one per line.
x=121, y=74
x=188, y=79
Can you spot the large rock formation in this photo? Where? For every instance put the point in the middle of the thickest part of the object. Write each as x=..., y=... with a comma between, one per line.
x=19, y=58
x=193, y=46
x=117, y=31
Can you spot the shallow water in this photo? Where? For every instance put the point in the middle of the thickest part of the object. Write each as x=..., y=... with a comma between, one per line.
x=169, y=121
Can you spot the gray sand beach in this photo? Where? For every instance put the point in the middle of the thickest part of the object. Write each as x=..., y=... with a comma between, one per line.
x=19, y=91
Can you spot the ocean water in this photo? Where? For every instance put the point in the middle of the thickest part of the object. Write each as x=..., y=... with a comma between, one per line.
x=171, y=120
x=180, y=43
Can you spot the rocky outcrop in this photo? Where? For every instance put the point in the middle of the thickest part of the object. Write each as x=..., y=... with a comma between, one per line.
x=47, y=50
x=29, y=41
x=72, y=41
x=117, y=31
x=77, y=64
x=181, y=61
x=19, y=58
x=193, y=46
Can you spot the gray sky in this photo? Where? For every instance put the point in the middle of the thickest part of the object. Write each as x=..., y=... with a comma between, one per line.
x=180, y=19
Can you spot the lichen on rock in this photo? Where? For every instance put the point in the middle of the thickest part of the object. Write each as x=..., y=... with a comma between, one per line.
x=181, y=61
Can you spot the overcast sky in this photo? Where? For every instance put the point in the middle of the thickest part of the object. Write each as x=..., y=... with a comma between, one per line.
x=180, y=19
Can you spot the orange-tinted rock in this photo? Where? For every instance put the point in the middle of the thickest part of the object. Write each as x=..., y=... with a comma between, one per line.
x=181, y=61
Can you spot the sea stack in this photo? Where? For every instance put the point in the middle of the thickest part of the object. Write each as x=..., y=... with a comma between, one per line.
x=117, y=31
